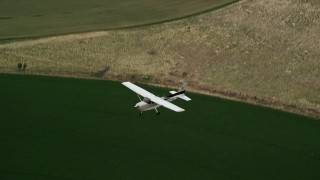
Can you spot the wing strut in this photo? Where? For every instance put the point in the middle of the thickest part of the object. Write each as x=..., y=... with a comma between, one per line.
x=139, y=97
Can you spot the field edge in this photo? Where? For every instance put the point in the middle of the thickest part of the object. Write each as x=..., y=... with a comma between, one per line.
x=194, y=87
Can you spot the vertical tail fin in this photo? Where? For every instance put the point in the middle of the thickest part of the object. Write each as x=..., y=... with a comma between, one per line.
x=183, y=87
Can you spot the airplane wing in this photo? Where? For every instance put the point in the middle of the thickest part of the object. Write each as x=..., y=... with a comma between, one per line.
x=166, y=104
x=152, y=97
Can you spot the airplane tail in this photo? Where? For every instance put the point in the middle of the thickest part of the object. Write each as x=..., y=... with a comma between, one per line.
x=180, y=94
x=183, y=87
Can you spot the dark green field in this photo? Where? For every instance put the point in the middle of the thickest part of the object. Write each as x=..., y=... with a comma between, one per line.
x=20, y=18
x=59, y=128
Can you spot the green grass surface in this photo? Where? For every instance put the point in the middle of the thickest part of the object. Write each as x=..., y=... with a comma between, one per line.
x=60, y=128
x=38, y=18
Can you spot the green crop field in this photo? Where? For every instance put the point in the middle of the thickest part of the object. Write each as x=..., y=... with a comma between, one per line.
x=20, y=18
x=63, y=128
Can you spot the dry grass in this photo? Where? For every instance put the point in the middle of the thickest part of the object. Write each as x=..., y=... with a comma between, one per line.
x=267, y=49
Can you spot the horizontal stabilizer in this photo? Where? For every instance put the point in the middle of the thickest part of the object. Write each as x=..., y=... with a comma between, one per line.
x=181, y=96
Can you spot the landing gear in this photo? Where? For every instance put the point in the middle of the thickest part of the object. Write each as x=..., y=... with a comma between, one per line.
x=140, y=113
x=158, y=113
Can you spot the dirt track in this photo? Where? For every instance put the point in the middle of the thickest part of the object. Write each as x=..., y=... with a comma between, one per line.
x=69, y=37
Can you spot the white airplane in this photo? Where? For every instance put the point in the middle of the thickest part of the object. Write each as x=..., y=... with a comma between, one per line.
x=151, y=101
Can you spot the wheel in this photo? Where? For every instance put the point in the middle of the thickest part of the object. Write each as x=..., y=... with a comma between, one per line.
x=140, y=113
x=158, y=113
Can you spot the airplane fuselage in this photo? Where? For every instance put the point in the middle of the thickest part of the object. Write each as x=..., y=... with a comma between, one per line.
x=145, y=106
x=151, y=101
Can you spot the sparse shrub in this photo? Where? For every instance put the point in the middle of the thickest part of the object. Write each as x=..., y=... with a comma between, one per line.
x=184, y=74
x=145, y=77
x=19, y=65
x=101, y=72
x=152, y=52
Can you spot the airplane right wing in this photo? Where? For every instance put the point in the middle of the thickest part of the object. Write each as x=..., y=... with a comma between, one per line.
x=166, y=104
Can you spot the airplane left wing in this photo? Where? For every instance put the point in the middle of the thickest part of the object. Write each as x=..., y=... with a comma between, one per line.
x=152, y=97
x=138, y=90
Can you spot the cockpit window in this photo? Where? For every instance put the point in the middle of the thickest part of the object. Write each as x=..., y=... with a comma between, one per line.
x=147, y=100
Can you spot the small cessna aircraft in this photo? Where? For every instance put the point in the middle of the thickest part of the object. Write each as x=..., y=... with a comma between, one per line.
x=151, y=101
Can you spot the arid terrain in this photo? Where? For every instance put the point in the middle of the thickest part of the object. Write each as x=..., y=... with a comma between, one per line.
x=254, y=50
